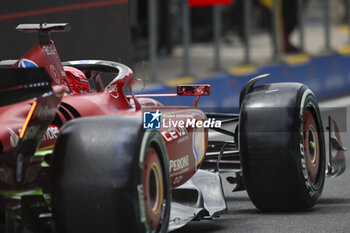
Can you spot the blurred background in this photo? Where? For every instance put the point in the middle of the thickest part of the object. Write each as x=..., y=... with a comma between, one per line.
x=220, y=42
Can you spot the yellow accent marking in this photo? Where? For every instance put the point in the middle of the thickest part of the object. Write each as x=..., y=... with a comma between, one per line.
x=242, y=70
x=297, y=59
x=344, y=50
x=160, y=180
x=50, y=147
x=44, y=164
x=18, y=194
x=342, y=29
x=315, y=145
x=267, y=3
x=24, y=128
x=178, y=81
x=41, y=153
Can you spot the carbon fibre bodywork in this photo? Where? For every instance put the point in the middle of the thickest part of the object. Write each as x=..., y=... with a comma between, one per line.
x=200, y=197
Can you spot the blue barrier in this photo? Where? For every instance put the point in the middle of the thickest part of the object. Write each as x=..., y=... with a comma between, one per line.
x=327, y=76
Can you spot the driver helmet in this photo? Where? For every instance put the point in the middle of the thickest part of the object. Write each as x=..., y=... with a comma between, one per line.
x=77, y=80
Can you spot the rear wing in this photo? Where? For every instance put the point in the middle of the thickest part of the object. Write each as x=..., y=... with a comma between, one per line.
x=44, y=29
x=18, y=84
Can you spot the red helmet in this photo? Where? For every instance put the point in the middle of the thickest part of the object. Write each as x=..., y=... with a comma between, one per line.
x=77, y=80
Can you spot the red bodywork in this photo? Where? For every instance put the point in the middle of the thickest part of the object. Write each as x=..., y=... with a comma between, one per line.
x=111, y=100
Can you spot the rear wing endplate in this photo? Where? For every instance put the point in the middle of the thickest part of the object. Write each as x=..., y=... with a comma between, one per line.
x=337, y=163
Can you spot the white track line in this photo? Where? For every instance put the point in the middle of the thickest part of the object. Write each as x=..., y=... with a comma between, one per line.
x=336, y=103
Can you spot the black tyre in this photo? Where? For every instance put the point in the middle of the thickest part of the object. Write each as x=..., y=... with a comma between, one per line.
x=2, y=213
x=110, y=175
x=282, y=147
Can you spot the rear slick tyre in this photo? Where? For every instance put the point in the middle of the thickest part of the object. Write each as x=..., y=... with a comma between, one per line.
x=282, y=147
x=110, y=175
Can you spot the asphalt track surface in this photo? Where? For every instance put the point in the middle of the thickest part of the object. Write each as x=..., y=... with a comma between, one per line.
x=331, y=214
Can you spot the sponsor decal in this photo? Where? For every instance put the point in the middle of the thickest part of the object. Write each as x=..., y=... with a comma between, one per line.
x=305, y=173
x=19, y=167
x=178, y=164
x=51, y=133
x=49, y=50
x=151, y=120
x=54, y=74
x=174, y=133
x=14, y=138
x=113, y=90
x=26, y=63
x=141, y=203
x=177, y=179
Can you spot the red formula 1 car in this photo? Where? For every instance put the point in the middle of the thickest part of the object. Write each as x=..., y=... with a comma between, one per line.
x=106, y=160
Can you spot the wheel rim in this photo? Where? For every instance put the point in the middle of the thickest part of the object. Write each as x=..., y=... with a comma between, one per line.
x=153, y=188
x=311, y=145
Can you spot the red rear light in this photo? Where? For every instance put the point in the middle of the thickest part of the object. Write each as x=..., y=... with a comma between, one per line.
x=194, y=90
x=203, y=3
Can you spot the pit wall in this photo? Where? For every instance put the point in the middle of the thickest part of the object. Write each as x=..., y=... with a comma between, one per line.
x=327, y=76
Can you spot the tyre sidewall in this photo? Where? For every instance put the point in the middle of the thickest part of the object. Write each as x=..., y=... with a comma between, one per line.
x=152, y=139
x=309, y=192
